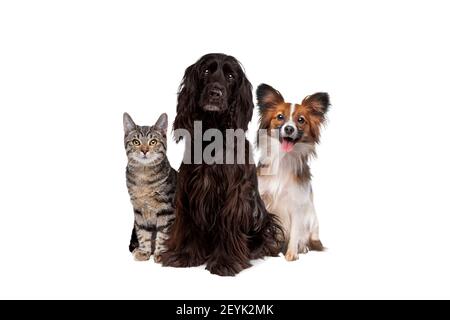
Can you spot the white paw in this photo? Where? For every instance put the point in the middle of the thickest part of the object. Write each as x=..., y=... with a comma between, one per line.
x=303, y=248
x=291, y=255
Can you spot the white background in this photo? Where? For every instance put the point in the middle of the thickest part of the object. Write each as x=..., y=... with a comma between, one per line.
x=69, y=69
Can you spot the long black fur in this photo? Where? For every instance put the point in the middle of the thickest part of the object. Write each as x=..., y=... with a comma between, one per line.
x=221, y=219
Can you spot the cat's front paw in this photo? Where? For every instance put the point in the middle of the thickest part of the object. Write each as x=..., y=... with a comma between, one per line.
x=157, y=257
x=140, y=255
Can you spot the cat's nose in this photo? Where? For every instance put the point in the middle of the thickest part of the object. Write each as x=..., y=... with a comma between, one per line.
x=144, y=151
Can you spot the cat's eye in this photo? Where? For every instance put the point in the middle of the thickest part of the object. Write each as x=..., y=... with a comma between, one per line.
x=136, y=142
x=280, y=117
x=153, y=142
x=301, y=120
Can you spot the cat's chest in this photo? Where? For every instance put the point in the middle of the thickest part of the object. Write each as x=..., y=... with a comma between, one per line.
x=148, y=201
x=141, y=192
x=142, y=185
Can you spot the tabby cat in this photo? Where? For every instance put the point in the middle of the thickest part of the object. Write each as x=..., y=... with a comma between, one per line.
x=151, y=185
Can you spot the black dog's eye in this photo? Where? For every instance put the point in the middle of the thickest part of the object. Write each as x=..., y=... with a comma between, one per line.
x=206, y=73
x=301, y=120
x=230, y=76
x=280, y=117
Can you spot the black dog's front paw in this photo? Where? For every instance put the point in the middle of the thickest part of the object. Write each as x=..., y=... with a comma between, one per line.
x=180, y=260
x=226, y=268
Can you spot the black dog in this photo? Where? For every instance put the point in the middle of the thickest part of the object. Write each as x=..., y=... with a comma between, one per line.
x=220, y=217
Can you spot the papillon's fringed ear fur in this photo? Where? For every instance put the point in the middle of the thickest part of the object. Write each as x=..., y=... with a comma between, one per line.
x=187, y=98
x=318, y=103
x=268, y=97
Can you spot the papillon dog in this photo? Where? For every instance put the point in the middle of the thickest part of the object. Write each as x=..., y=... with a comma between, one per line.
x=287, y=138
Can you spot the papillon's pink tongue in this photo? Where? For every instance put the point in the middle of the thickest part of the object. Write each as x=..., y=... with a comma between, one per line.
x=287, y=146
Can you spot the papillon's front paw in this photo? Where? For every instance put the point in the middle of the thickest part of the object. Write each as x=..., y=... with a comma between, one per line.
x=303, y=248
x=291, y=255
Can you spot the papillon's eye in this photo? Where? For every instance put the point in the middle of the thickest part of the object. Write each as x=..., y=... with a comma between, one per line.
x=136, y=142
x=301, y=120
x=230, y=76
x=280, y=117
x=206, y=72
x=153, y=142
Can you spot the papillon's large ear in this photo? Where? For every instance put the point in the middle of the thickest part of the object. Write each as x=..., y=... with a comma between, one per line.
x=318, y=103
x=268, y=97
x=162, y=123
x=187, y=97
x=243, y=110
x=128, y=123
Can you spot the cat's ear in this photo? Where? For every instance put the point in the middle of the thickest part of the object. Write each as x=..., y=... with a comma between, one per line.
x=162, y=123
x=128, y=123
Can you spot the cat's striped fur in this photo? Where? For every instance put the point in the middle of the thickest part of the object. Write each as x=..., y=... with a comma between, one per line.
x=151, y=185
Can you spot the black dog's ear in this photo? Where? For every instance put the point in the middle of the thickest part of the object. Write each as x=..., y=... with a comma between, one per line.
x=267, y=96
x=187, y=97
x=244, y=104
x=319, y=103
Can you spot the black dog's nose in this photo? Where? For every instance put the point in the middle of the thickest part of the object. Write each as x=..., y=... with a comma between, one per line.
x=289, y=130
x=215, y=93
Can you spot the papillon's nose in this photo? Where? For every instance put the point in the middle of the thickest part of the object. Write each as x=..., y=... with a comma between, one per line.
x=289, y=130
